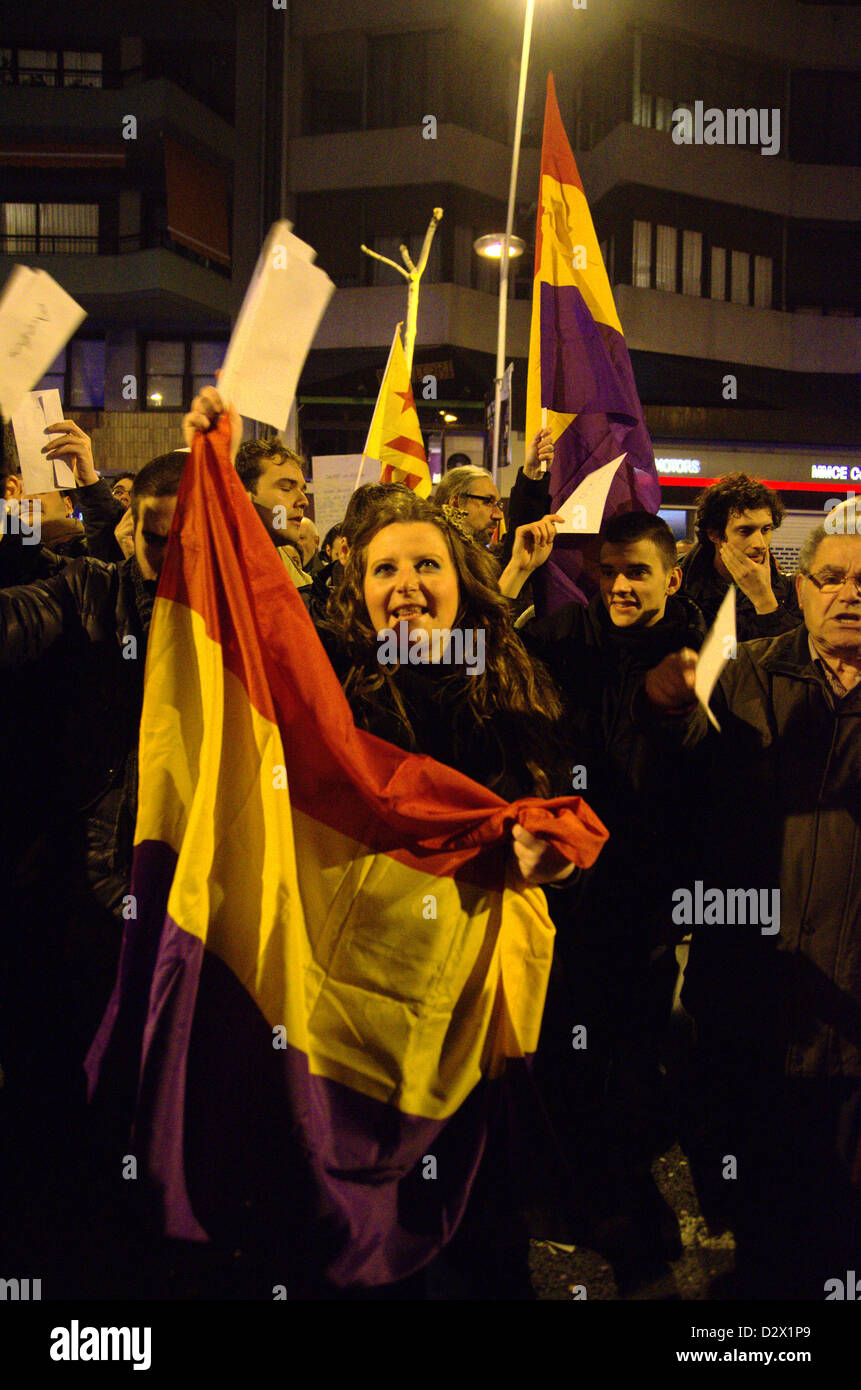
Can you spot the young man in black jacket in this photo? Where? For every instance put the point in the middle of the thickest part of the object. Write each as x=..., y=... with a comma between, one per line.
x=736, y=518
x=615, y=945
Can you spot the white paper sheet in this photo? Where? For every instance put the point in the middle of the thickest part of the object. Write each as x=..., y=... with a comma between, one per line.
x=37, y=319
x=718, y=648
x=584, y=509
x=280, y=314
x=38, y=473
x=336, y=477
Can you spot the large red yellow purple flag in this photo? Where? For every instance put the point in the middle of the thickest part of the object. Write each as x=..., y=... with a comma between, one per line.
x=579, y=367
x=332, y=958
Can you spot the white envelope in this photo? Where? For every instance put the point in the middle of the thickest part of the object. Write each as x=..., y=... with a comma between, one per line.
x=719, y=647
x=584, y=509
x=38, y=473
x=37, y=319
x=280, y=314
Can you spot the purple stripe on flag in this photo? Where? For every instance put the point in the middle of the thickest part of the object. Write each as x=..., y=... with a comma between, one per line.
x=586, y=370
x=242, y=1144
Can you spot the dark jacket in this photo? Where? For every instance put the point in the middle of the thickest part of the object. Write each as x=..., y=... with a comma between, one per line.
x=529, y=501
x=783, y=811
x=492, y=752
x=69, y=631
x=633, y=780
x=702, y=583
x=102, y=513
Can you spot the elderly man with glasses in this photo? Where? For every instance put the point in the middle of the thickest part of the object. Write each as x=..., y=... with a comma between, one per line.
x=774, y=979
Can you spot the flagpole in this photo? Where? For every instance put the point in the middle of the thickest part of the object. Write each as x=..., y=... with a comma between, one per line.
x=509, y=224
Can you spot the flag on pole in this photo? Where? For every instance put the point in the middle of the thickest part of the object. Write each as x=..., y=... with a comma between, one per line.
x=579, y=368
x=395, y=439
x=331, y=958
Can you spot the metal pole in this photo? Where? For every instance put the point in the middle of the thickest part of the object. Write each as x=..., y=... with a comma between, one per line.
x=509, y=224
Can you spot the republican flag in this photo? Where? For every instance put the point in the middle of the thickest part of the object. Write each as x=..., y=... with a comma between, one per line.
x=579, y=368
x=331, y=959
x=395, y=439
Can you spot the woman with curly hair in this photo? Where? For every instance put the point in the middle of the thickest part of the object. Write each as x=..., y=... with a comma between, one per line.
x=418, y=587
x=423, y=643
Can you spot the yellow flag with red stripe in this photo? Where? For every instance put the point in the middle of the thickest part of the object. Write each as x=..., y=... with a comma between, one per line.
x=395, y=438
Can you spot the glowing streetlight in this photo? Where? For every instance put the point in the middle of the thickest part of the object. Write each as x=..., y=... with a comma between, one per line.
x=491, y=246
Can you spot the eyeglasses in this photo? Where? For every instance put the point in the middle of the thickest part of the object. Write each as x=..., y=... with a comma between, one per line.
x=479, y=497
x=831, y=582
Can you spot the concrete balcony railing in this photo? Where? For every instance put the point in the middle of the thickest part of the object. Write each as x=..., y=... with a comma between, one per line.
x=153, y=286
x=653, y=321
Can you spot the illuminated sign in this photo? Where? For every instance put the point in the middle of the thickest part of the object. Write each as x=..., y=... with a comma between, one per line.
x=678, y=465
x=836, y=472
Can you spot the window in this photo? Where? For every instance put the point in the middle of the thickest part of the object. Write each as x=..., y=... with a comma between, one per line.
x=665, y=261
x=165, y=370
x=87, y=375
x=55, y=377
x=463, y=255
x=206, y=358
x=176, y=369
x=692, y=263
x=644, y=115
x=37, y=67
x=82, y=69
x=69, y=227
x=49, y=227
x=718, y=275
x=18, y=227
x=79, y=375
x=643, y=254
x=762, y=266
x=740, y=267
x=663, y=113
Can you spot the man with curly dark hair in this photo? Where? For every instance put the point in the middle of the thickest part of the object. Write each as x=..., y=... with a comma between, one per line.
x=735, y=520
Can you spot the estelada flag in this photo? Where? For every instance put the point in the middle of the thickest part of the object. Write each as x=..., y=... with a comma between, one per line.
x=395, y=438
x=579, y=367
x=331, y=958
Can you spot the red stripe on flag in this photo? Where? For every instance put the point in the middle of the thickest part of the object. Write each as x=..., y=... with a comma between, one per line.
x=221, y=563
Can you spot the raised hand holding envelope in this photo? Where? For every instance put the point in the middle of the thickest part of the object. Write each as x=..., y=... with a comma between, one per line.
x=583, y=511
x=38, y=473
x=718, y=648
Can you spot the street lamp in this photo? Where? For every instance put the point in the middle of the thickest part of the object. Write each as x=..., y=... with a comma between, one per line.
x=506, y=247
x=491, y=246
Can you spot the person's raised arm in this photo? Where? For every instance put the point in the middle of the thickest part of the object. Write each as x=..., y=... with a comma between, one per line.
x=205, y=410
x=532, y=546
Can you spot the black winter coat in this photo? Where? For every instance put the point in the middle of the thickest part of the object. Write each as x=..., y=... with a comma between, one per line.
x=81, y=631
x=634, y=781
x=491, y=752
x=782, y=810
x=702, y=583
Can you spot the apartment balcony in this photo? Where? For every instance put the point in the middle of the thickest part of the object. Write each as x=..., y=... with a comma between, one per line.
x=98, y=113
x=682, y=325
x=401, y=157
x=157, y=285
x=451, y=314
x=719, y=173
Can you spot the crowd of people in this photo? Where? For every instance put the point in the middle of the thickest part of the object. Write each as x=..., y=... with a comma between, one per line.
x=735, y=851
